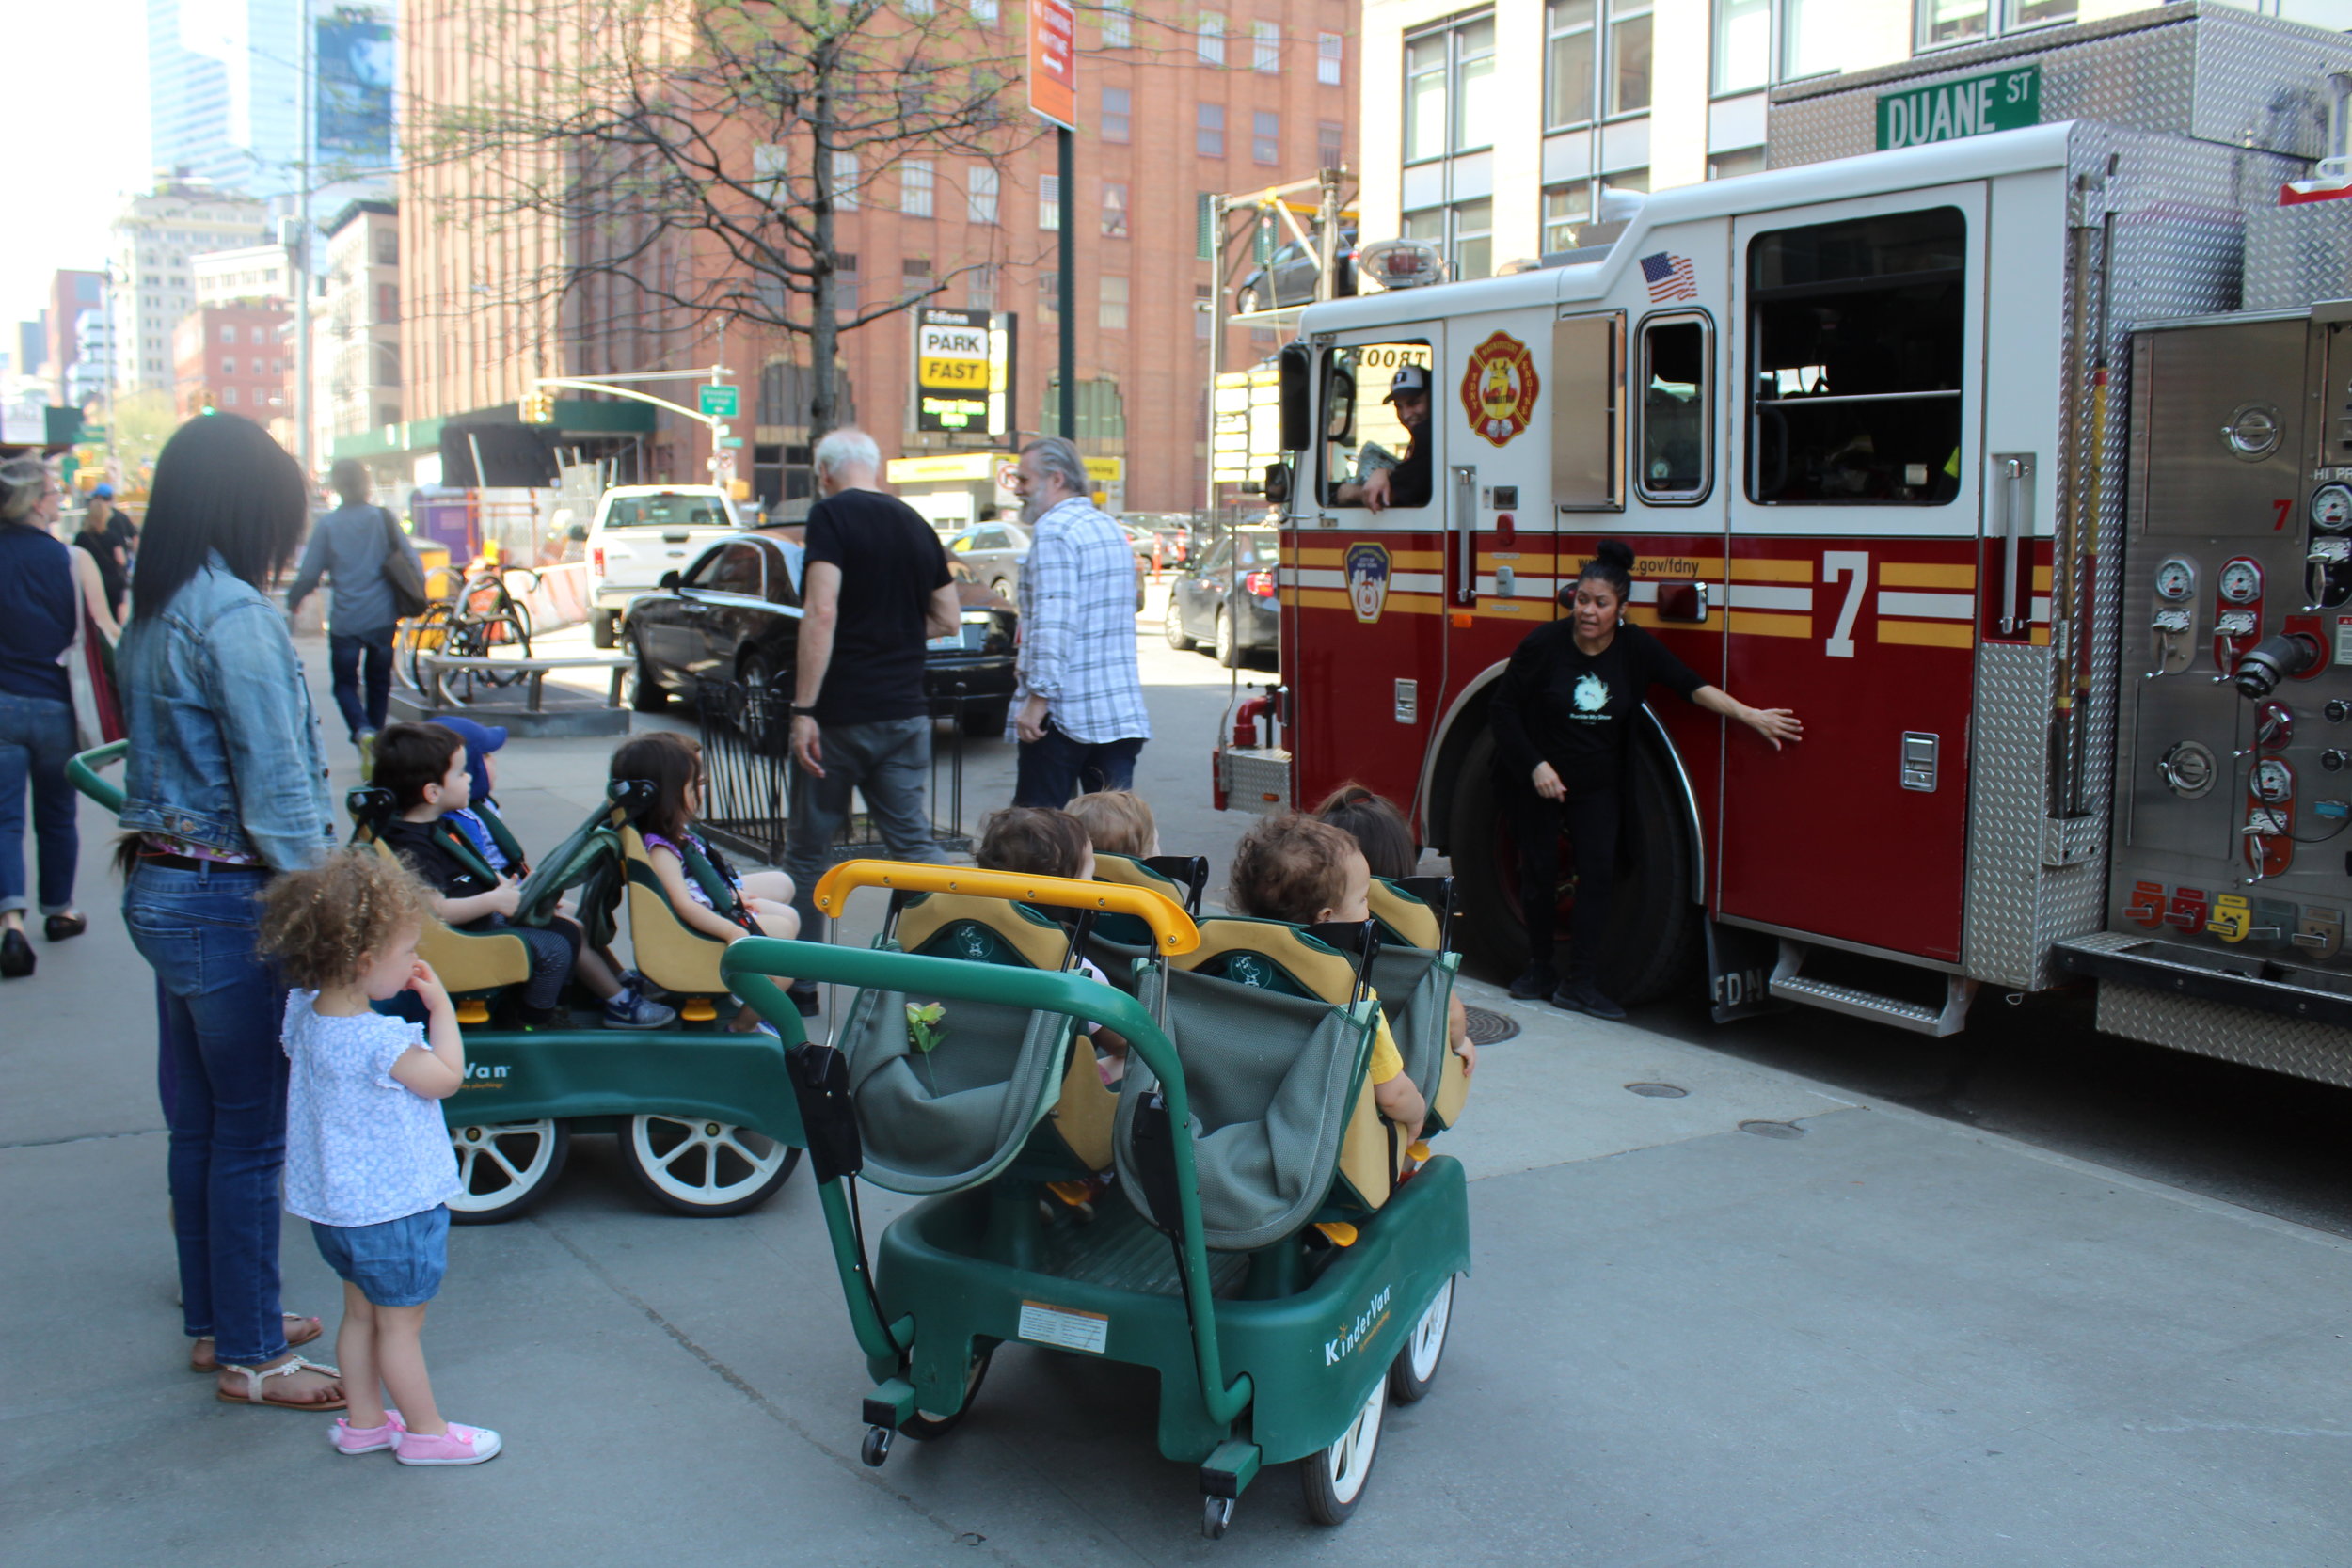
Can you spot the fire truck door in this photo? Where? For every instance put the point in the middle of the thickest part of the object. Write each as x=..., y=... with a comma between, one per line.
x=1856, y=366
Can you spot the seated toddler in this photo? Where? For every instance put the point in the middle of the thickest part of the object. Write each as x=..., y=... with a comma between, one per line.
x=1038, y=841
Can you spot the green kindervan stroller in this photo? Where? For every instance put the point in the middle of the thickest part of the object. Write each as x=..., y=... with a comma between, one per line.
x=1265, y=1244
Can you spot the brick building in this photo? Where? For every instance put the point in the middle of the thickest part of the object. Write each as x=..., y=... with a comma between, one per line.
x=234, y=358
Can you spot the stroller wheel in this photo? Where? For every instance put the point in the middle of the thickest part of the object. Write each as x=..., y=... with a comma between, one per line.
x=923, y=1427
x=876, y=1448
x=1334, y=1479
x=1416, y=1365
x=1216, y=1514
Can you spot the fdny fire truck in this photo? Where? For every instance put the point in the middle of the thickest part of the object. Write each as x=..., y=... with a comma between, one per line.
x=2018, y=463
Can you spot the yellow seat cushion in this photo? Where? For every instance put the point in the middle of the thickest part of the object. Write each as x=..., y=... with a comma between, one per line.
x=670, y=953
x=469, y=961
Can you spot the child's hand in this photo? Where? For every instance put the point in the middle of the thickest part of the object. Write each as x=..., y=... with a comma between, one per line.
x=506, y=897
x=428, y=985
x=1469, y=1054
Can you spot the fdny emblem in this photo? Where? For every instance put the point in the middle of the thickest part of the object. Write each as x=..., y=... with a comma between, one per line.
x=1499, y=388
x=1368, y=581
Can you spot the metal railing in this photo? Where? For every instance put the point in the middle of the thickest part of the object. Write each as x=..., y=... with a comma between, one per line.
x=747, y=776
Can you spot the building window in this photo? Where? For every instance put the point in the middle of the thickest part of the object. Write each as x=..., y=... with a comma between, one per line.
x=1328, y=48
x=386, y=304
x=1049, y=292
x=914, y=276
x=1203, y=226
x=1942, y=22
x=1267, y=52
x=1100, y=414
x=845, y=181
x=1119, y=28
x=388, y=367
x=1110, y=312
x=979, y=287
x=984, y=13
x=1565, y=207
x=1208, y=135
x=229, y=397
x=1266, y=136
x=387, y=413
x=1049, y=201
x=1860, y=360
x=1115, y=102
x=1208, y=41
x=846, y=292
x=1812, y=37
x=1629, y=55
x=1730, y=165
x=914, y=187
x=1568, y=63
x=228, y=334
x=1201, y=310
x=1450, y=68
x=227, y=367
x=1743, y=45
x=1114, y=210
x=1473, y=239
x=1330, y=144
x=387, y=247
x=980, y=195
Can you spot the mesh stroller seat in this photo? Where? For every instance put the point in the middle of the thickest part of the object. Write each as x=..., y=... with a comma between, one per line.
x=957, y=1115
x=1275, y=1032
x=1415, y=978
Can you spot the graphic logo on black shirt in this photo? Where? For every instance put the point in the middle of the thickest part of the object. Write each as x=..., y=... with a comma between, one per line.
x=1591, y=695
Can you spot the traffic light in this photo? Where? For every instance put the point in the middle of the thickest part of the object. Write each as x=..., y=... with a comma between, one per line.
x=204, y=402
x=538, y=406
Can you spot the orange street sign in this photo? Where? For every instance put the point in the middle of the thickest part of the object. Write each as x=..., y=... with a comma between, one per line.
x=1054, y=62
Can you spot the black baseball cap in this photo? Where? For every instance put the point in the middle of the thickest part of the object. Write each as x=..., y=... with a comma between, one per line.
x=1408, y=378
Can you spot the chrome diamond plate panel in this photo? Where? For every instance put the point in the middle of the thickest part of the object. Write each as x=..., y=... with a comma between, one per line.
x=2217, y=74
x=2297, y=255
x=2000, y=939
x=2317, y=1051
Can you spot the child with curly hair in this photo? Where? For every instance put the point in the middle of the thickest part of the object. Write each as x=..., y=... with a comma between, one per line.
x=368, y=1158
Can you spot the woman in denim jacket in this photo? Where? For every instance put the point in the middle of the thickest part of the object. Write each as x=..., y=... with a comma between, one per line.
x=225, y=786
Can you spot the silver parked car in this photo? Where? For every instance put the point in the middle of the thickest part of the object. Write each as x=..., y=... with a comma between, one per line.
x=992, y=553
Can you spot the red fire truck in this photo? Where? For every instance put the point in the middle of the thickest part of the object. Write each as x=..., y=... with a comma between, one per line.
x=2019, y=464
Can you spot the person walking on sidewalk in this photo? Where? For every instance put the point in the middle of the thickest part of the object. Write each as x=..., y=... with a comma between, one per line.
x=40, y=608
x=874, y=585
x=350, y=548
x=225, y=785
x=1078, y=710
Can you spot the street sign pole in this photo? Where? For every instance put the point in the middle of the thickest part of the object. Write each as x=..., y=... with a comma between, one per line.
x=1068, y=407
x=1054, y=98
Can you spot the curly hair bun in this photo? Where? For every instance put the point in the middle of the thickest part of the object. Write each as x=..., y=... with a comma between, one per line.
x=1617, y=552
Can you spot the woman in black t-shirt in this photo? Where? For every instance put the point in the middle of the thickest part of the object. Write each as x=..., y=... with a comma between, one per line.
x=1561, y=717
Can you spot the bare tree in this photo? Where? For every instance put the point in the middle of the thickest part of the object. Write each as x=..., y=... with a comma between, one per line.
x=694, y=156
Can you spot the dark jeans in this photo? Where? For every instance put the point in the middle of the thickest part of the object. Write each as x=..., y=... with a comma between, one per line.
x=343, y=650
x=889, y=762
x=1052, y=769
x=36, y=742
x=222, y=1011
x=554, y=949
x=1590, y=819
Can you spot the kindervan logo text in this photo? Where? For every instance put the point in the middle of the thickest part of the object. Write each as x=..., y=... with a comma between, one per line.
x=1365, y=1325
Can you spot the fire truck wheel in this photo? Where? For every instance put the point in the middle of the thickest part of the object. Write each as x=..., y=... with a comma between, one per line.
x=1654, y=941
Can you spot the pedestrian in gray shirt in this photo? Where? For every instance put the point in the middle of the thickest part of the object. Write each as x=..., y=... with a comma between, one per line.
x=349, y=546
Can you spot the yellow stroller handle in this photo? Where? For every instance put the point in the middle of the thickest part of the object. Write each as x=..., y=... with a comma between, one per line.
x=1172, y=930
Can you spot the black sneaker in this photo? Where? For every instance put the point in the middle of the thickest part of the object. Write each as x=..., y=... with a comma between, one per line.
x=1539, y=981
x=1582, y=996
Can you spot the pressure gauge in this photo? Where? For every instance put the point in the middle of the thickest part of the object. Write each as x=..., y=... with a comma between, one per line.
x=2176, y=579
x=2331, y=508
x=2241, y=582
x=2274, y=781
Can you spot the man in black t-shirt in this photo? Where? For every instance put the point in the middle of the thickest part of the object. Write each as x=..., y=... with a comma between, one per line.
x=874, y=587
x=1405, y=483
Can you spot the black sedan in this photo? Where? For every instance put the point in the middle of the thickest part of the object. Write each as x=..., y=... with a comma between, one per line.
x=734, y=616
x=1228, y=599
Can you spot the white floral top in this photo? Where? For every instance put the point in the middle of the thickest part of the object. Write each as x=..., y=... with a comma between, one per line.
x=361, y=1146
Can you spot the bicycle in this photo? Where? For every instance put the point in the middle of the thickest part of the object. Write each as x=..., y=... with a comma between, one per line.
x=482, y=618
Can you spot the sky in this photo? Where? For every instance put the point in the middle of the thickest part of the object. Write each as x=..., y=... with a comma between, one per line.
x=79, y=121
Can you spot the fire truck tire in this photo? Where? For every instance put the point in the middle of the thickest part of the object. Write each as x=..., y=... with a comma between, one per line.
x=1654, y=941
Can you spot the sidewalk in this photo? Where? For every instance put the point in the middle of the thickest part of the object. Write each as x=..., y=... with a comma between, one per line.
x=1886, y=1340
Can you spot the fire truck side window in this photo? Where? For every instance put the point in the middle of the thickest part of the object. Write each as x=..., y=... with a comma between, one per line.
x=1856, y=331
x=1677, y=420
x=1361, y=436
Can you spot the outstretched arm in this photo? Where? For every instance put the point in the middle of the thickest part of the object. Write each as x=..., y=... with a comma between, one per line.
x=1775, y=724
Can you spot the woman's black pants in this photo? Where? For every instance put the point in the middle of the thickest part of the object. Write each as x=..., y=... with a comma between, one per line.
x=1591, y=819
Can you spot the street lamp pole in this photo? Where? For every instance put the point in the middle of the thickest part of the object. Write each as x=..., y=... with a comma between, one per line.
x=298, y=259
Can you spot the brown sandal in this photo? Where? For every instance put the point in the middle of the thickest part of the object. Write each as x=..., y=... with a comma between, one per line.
x=256, y=1376
x=293, y=1339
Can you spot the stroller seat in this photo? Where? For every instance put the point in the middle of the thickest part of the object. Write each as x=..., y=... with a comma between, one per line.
x=670, y=953
x=472, y=965
x=1414, y=976
x=1120, y=940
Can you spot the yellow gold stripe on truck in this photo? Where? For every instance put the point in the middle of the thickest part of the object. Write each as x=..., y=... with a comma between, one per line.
x=1920, y=573
x=1772, y=571
x=2041, y=579
x=1749, y=623
x=1929, y=634
x=1644, y=615
x=1336, y=598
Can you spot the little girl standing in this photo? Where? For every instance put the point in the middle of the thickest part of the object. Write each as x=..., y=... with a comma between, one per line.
x=367, y=1157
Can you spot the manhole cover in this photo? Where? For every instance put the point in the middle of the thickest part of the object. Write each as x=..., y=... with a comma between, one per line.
x=1772, y=1129
x=1658, y=1091
x=1487, y=1027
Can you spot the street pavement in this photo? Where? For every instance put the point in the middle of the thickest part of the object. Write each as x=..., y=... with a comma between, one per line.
x=1767, y=1322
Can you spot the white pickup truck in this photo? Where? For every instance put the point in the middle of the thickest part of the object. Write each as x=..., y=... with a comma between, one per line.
x=643, y=530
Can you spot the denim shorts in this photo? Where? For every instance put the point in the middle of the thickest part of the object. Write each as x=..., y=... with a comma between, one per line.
x=398, y=1263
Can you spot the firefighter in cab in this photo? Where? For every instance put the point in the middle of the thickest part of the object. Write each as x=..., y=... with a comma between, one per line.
x=1382, y=480
x=1563, y=715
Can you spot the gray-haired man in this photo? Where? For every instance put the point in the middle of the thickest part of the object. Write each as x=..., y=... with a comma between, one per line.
x=874, y=586
x=1079, y=715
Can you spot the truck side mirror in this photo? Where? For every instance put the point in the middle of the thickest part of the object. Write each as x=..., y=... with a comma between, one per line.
x=1339, y=416
x=1297, y=372
x=669, y=582
x=1278, y=484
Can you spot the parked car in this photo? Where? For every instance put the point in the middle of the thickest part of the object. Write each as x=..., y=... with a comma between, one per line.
x=1171, y=530
x=734, y=614
x=1228, y=599
x=642, y=531
x=991, y=555
x=1289, y=278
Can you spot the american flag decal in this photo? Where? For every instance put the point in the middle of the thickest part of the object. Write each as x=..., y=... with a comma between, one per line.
x=1669, y=277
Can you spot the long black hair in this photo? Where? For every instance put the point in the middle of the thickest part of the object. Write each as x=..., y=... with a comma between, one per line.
x=1612, y=564
x=221, y=485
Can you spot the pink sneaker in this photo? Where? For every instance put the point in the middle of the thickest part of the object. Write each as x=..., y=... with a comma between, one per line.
x=351, y=1439
x=459, y=1445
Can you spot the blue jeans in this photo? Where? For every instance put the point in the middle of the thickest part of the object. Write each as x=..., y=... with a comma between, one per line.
x=397, y=1263
x=222, y=1009
x=36, y=741
x=344, y=651
x=1052, y=769
x=889, y=762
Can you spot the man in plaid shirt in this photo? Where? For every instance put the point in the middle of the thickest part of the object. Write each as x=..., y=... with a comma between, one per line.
x=1078, y=706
